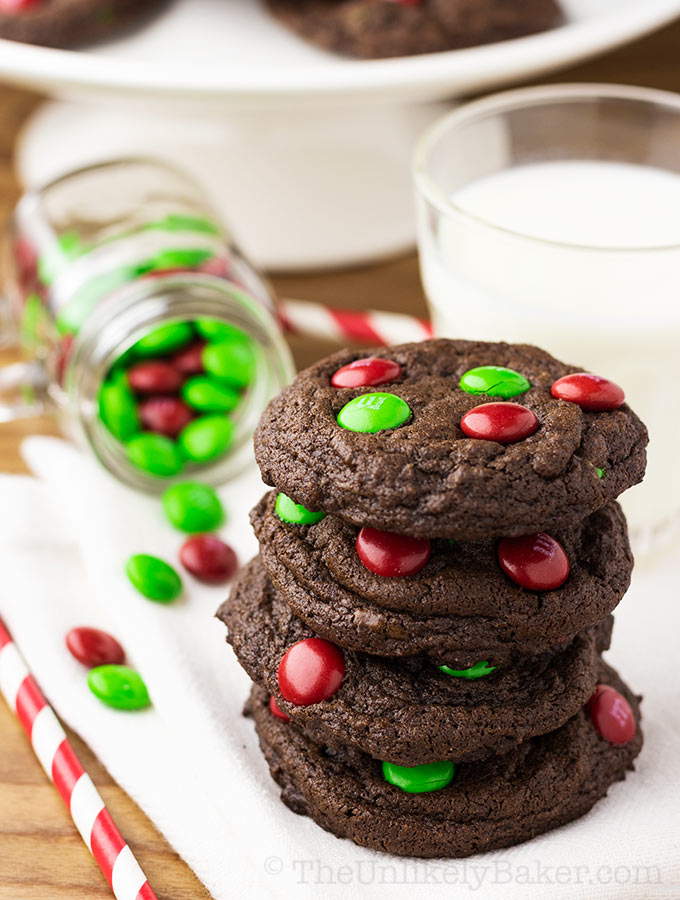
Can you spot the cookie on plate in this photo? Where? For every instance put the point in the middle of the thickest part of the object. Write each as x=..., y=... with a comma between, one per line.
x=460, y=606
x=383, y=28
x=411, y=711
x=451, y=439
x=67, y=23
x=449, y=810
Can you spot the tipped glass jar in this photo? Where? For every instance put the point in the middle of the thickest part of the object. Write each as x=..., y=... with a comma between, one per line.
x=140, y=323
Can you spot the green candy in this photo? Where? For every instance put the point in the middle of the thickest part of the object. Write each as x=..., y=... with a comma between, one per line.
x=216, y=330
x=374, y=412
x=296, y=513
x=494, y=381
x=153, y=578
x=118, y=686
x=419, y=779
x=180, y=222
x=232, y=361
x=178, y=259
x=154, y=453
x=68, y=247
x=479, y=670
x=165, y=339
x=209, y=395
x=118, y=408
x=600, y=472
x=193, y=507
x=33, y=322
x=80, y=306
x=206, y=438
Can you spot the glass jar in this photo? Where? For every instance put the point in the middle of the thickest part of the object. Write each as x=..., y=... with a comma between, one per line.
x=140, y=323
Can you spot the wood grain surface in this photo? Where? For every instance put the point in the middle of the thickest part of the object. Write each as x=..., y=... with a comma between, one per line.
x=41, y=855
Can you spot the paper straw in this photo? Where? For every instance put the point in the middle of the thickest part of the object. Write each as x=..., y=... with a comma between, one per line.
x=63, y=768
x=366, y=326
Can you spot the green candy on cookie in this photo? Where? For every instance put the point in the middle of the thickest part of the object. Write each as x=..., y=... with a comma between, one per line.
x=479, y=670
x=494, y=381
x=295, y=513
x=419, y=779
x=374, y=412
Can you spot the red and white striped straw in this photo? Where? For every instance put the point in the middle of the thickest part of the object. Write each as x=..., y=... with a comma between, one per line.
x=63, y=768
x=365, y=326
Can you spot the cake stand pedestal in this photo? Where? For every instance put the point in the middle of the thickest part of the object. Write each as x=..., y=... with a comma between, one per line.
x=300, y=188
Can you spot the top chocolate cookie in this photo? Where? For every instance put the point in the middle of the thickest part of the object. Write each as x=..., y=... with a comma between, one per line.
x=451, y=439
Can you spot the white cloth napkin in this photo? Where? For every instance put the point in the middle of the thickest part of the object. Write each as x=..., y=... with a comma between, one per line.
x=192, y=762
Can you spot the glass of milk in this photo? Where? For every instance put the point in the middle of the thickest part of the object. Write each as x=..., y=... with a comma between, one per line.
x=551, y=216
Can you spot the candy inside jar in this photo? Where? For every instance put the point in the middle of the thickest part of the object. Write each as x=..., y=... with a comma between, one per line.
x=172, y=397
x=157, y=342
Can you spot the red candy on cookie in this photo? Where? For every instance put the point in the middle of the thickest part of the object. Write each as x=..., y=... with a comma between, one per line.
x=208, y=558
x=93, y=647
x=391, y=555
x=504, y=423
x=368, y=372
x=276, y=711
x=536, y=562
x=311, y=671
x=612, y=715
x=591, y=392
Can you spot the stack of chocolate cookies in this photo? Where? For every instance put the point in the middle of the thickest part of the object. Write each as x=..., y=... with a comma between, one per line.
x=438, y=567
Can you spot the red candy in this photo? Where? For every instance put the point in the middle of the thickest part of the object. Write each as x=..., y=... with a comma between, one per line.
x=275, y=711
x=536, y=562
x=208, y=558
x=590, y=392
x=611, y=715
x=215, y=266
x=12, y=6
x=391, y=555
x=189, y=360
x=93, y=647
x=64, y=350
x=164, y=415
x=311, y=671
x=501, y=422
x=154, y=377
x=368, y=372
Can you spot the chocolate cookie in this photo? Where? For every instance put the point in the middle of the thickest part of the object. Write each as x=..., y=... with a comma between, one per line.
x=541, y=784
x=66, y=23
x=410, y=456
x=376, y=28
x=409, y=711
x=460, y=607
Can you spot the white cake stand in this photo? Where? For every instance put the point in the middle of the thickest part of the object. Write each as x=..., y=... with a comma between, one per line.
x=305, y=154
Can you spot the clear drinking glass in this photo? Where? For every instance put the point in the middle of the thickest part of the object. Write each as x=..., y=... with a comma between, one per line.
x=496, y=264
x=95, y=263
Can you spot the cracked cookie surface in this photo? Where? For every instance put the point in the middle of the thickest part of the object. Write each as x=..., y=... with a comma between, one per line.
x=460, y=607
x=542, y=783
x=426, y=478
x=408, y=711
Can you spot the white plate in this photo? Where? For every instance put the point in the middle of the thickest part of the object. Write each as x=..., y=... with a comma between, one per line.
x=232, y=50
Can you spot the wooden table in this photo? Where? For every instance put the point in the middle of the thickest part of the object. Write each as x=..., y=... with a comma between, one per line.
x=41, y=855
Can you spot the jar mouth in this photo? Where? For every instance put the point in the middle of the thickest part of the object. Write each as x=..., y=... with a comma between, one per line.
x=126, y=316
